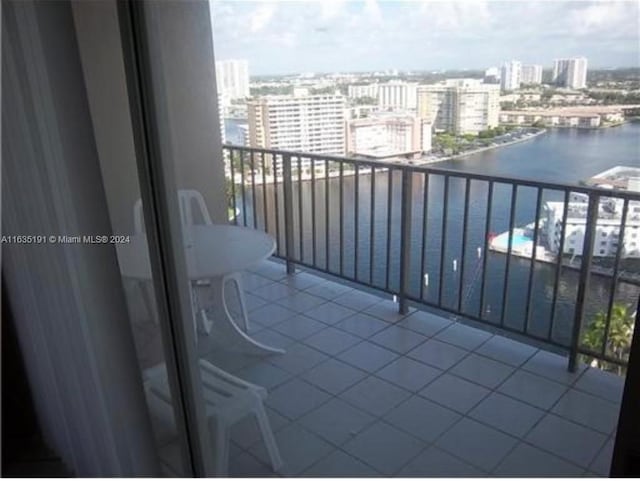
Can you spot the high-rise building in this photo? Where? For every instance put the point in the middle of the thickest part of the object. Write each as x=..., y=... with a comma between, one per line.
x=303, y=123
x=221, y=116
x=388, y=134
x=233, y=78
x=570, y=72
x=511, y=75
x=531, y=74
x=460, y=106
x=397, y=95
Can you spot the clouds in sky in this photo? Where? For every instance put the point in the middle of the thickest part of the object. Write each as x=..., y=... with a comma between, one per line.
x=338, y=35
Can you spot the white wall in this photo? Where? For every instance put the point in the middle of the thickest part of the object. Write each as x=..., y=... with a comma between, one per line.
x=186, y=98
x=187, y=94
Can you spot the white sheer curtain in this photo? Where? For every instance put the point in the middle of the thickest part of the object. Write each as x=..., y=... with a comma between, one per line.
x=67, y=299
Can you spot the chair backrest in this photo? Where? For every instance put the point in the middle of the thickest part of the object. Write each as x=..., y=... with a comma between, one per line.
x=191, y=201
x=192, y=208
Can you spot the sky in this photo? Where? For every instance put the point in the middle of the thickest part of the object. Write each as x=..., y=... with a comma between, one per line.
x=279, y=37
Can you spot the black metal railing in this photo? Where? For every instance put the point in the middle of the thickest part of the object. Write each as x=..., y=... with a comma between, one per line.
x=427, y=235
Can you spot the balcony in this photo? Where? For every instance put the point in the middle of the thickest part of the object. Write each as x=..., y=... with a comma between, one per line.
x=364, y=391
x=412, y=347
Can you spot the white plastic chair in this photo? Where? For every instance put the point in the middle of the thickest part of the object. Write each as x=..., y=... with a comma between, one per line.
x=187, y=198
x=228, y=400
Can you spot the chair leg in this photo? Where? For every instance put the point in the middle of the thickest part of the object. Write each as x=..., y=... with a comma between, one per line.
x=236, y=278
x=267, y=436
x=201, y=322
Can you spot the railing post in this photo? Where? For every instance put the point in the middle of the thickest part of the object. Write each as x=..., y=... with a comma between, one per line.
x=405, y=239
x=583, y=282
x=287, y=183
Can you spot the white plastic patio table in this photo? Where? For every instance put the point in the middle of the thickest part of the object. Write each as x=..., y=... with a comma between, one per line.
x=211, y=252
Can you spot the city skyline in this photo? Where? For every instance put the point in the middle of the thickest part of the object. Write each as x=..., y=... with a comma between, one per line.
x=350, y=36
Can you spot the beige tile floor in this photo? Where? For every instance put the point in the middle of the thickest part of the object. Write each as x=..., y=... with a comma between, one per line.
x=363, y=391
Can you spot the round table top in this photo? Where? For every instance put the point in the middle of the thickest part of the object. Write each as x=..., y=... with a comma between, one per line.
x=210, y=251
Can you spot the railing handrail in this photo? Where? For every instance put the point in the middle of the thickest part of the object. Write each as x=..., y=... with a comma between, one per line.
x=634, y=196
x=400, y=284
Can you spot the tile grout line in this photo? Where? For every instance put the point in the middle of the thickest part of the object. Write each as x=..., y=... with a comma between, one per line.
x=433, y=336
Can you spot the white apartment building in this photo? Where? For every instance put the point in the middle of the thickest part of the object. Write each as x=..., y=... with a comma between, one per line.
x=301, y=123
x=359, y=91
x=570, y=72
x=397, y=95
x=551, y=118
x=531, y=74
x=233, y=78
x=221, y=116
x=607, y=236
x=388, y=135
x=511, y=75
x=461, y=106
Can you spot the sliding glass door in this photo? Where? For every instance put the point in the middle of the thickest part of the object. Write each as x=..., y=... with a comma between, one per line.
x=144, y=111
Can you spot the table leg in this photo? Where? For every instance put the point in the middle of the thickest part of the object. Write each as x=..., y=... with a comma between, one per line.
x=226, y=328
x=236, y=278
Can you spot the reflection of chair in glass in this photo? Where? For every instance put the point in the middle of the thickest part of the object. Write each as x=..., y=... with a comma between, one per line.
x=193, y=211
x=228, y=400
x=187, y=198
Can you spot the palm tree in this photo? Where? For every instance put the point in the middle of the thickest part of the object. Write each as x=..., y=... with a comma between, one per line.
x=618, y=342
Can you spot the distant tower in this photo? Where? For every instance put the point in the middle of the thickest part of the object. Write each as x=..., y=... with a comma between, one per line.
x=511, y=75
x=570, y=72
x=233, y=78
x=531, y=74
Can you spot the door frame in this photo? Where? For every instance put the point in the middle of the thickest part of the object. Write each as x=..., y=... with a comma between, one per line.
x=166, y=254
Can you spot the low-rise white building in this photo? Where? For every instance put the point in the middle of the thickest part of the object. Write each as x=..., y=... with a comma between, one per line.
x=607, y=236
x=580, y=117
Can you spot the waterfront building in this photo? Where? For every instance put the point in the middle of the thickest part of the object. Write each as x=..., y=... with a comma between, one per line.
x=551, y=118
x=531, y=74
x=460, y=106
x=397, y=95
x=610, y=217
x=511, y=75
x=607, y=235
x=388, y=135
x=233, y=78
x=618, y=177
x=580, y=116
x=360, y=91
x=570, y=72
x=303, y=123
